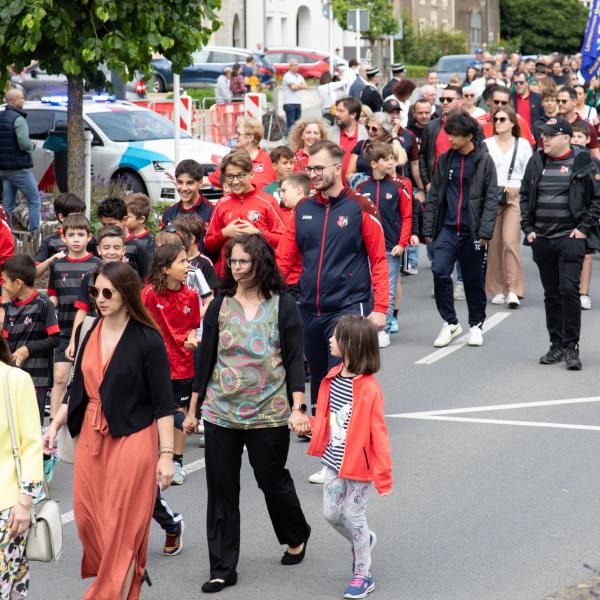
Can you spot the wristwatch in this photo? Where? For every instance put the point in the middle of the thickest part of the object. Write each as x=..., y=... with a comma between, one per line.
x=300, y=407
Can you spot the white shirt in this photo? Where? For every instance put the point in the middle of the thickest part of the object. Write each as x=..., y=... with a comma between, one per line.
x=349, y=77
x=330, y=92
x=477, y=112
x=223, y=90
x=588, y=113
x=291, y=96
x=502, y=161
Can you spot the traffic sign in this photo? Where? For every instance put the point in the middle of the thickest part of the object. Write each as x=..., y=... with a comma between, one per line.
x=325, y=9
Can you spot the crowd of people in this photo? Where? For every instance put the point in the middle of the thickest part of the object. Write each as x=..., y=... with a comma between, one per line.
x=213, y=325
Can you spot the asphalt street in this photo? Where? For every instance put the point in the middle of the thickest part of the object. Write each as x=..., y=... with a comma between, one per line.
x=499, y=504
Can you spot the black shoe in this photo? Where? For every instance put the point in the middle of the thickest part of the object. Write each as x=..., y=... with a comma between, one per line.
x=555, y=355
x=295, y=559
x=572, y=359
x=211, y=587
x=146, y=579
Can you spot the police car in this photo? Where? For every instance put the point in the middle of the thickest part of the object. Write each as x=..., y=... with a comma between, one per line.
x=131, y=143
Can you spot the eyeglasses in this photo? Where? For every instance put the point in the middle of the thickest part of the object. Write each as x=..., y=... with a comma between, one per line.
x=244, y=134
x=373, y=129
x=563, y=100
x=242, y=262
x=318, y=170
x=519, y=82
x=487, y=69
x=468, y=95
x=236, y=177
x=549, y=136
x=445, y=99
x=500, y=102
x=500, y=119
x=95, y=292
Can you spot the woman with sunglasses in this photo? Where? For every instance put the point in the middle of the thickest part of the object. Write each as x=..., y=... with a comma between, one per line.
x=249, y=391
x=510, y=153
x=120, y=403
x=380, y=128
x=469, y=97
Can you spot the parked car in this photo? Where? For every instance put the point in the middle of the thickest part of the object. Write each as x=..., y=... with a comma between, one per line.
x=207, y=65
x=36, y=83
x=311, y=63
x=131, y=143
x=446, y=66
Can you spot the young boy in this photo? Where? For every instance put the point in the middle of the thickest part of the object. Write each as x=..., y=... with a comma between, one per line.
x=188, y=181
x=138, y=213
x=393, y=198
x=64, y=283
x=30, y=325
x=53, y=247
x=113, y=211
x=282, y=158
x=580, y=139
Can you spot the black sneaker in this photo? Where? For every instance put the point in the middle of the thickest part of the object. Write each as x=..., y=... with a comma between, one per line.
x=555, y=355
x=572, y=359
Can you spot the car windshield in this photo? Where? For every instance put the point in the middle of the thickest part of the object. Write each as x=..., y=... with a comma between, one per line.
x=454, y=64
x=134, y=126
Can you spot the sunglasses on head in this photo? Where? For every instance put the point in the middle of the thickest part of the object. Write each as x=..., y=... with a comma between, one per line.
x=95, y=292
x=445, y=99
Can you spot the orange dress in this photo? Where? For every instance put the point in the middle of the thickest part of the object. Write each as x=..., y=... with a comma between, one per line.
x=114, y=488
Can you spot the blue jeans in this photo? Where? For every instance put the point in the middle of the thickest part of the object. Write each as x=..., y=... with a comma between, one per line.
x=24, y=182
x=394, y=268
x=293, y=113
x=412, y=256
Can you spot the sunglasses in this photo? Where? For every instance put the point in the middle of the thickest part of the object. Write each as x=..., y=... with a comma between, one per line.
x=95, y=292
x=563, y=100
x=373, y=129
x=500, y=102
x=519, y=82
x=500, y=119
x=445, y=99
x=468, y=95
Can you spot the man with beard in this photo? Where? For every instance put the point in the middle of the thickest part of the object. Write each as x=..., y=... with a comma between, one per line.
x=348, y=131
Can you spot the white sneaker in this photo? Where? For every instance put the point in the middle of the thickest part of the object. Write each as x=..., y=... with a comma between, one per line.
x=447, y=334
x=512, y=300
x=412, y=270
x=384, y=339
x=499, y=299
x=475, y=336
x=178, y=475
x=586, y=302
x=319, y=476
x=459, y=291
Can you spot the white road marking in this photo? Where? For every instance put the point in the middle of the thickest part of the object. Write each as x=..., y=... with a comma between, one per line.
x=494, y=320
x=195, y=465
x=444, y=415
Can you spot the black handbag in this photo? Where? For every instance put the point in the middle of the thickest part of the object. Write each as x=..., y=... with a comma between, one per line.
x=504, y=195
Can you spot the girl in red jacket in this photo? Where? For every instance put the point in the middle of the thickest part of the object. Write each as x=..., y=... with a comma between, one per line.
x=350, y=435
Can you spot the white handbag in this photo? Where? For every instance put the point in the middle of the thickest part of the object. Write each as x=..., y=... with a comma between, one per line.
x=45, y=539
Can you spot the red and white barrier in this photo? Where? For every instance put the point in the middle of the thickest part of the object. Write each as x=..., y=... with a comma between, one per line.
x=166, y=108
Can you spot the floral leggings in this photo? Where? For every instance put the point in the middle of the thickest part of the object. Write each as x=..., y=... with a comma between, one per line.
x=344, y=507
x=14, y=568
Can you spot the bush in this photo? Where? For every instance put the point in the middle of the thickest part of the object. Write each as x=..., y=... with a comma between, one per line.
x=202, y=93
x=416, y=71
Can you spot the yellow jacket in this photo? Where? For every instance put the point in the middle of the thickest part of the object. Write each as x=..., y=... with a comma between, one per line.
x=28, y=432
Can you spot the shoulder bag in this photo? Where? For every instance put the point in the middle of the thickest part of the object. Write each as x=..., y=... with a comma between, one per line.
x=65, y=444
x=44, y=542
x=504, y=196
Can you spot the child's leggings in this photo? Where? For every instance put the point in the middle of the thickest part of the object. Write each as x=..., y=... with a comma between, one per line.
x=344, y=506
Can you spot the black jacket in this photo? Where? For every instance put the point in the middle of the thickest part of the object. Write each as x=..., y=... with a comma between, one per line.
x=136, y=388
x=535, y=102
x=11, y=155
x=291, y=338
x=584, y=195
x=372, y=98
x=484, y=195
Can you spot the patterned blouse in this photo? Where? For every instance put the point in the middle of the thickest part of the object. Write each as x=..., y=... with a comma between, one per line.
x=247, y=388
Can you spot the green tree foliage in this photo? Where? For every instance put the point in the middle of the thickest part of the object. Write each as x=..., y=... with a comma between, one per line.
x=382, y=20
x=75, y=37
x=544, y=26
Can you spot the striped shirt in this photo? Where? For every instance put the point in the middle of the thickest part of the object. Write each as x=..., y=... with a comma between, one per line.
x=553, y=217
x=66, y=275
x=54, y=244
x=30, y=323
x=340, y=407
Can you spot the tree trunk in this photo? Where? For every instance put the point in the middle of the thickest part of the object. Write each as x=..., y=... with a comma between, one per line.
x=75, y=169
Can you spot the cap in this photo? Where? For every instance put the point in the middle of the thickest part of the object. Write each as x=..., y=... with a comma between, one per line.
x=398, y=68
x=478, y=51
x=391, y=105
x=372, y=72
x=556, y=125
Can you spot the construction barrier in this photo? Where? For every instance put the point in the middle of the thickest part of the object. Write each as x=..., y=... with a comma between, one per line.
x=166, y=108
x=255, y=105
x=223, y=119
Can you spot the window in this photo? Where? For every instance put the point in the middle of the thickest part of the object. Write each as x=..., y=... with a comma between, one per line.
x=445, y=26
x=200, y=57
x=434, y=19
x=301, y=58
x=475, y=29
x=444, y=4
x=434, y=2
x=221, y=57
x=40, y=123
x=422, y=25
x=276, y=57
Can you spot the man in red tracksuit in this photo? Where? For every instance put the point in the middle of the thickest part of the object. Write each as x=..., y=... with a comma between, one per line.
x=243, y=210
x=392, y=197
x=339, y=236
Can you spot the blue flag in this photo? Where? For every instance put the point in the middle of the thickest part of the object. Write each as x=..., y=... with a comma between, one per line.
x=590, y=63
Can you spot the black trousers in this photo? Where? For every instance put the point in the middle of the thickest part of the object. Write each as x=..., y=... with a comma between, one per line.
x=165, y=516
x=559, y=261
x=267, y=451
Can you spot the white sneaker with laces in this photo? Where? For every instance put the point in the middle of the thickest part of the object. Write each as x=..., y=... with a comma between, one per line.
x=318, y=477
x=447, y=334
x=459, y=291
x=499, y=299
x=178, y=475
x=384, y=339
x=512, y=300
x=586, y=302
x=475, y=336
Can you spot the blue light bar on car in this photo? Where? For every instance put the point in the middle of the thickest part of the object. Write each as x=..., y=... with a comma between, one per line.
x=55, y=100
